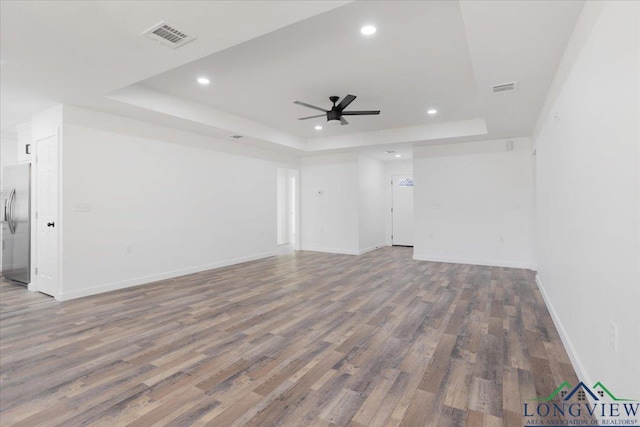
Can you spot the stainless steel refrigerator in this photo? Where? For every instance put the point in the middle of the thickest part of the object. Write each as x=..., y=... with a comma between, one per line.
x=16, y=223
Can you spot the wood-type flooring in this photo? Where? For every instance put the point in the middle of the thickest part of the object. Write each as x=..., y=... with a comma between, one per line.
x=293, y=340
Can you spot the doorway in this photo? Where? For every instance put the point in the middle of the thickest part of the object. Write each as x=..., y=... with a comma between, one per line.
x=402, y=210
x=287, y=230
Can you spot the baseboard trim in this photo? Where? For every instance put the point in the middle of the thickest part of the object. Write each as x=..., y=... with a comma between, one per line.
x=65, y=296
x=285, y=249
x=488, y=263
x=330, y=250
x=578, y=367
x=372, y=248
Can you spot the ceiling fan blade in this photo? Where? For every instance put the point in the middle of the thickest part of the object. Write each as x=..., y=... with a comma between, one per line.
x=345, y=102
x=312, y=117
x=343, y=121
x=309, y=106
x=360, y=113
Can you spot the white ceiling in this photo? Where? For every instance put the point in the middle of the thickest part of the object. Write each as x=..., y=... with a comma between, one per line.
x=418, y=59
x=263, y=55
x=78, y=51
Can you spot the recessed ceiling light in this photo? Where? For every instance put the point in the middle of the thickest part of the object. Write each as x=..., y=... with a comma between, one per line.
x=398, y=155
x=203, y=80
x=432, y=111
x=367, y=30
x=318, y=127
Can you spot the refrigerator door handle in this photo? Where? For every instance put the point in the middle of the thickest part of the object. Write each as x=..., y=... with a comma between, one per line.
x=9, y=211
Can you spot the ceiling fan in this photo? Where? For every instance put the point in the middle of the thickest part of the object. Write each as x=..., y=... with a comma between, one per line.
x=337, y=111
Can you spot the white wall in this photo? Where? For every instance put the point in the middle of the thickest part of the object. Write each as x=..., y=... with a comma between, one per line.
x=329, y=198
x=588, y=188
x=8, y=149
x=182, y=202
x=393, y=167
x=372, y=221
x=342, y=203
x=473, y=203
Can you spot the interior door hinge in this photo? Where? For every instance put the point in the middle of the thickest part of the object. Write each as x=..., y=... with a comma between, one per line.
x=36, y=271
x=36, y=215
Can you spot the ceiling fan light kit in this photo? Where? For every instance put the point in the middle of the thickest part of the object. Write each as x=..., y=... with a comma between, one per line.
x=334, y=116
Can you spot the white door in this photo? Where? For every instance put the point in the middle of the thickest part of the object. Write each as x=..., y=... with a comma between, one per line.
x=402, y=210
x=47, y=215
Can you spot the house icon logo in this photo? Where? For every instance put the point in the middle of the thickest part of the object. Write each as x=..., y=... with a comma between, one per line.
x=581, y=393
x=407, y=182
x=567, y=405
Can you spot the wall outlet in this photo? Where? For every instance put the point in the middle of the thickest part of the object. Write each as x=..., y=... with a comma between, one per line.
x=613, y=336
x=501, y=239
x=128, y=248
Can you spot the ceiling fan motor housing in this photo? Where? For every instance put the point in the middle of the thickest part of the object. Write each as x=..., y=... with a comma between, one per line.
x=333, y=115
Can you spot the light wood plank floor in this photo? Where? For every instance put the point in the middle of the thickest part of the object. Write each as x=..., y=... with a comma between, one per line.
x=294, y=340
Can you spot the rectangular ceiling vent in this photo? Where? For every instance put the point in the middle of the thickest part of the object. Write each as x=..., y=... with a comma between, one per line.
x=168, y=35
x=507, y=87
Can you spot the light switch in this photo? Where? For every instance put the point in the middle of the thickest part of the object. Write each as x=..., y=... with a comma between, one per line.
x=83, y=207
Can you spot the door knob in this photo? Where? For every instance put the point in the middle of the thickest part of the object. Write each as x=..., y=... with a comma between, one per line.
x=51, y=224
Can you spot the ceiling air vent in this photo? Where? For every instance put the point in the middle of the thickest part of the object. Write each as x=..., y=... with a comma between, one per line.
x=168, y=35
x=237, y=136
x=507, y=87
